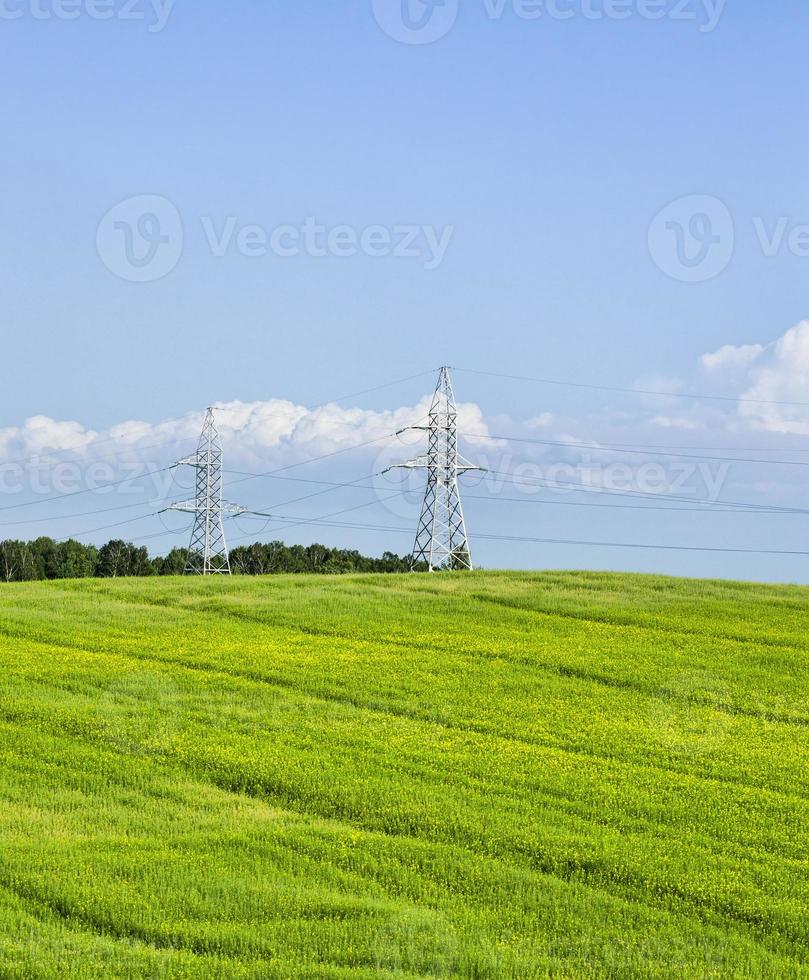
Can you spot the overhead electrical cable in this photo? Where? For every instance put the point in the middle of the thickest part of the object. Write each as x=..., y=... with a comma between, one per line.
x=738, y=509
x=632, y=391
x=596, y=447
x=560, y=541
x=590, y=488
x=70, y=517
x=86, y=490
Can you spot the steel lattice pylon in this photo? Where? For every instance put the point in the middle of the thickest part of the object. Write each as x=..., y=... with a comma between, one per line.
x=441, y=541
x=208, y=551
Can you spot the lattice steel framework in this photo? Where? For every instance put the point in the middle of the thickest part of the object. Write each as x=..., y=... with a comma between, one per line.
x=441, y=541
x=208, y=551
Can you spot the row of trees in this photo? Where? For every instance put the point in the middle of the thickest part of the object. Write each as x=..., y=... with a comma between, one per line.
x=30, y=561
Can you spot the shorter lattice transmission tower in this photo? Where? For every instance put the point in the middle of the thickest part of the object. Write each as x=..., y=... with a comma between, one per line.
x=441, y=541
x=208, y=550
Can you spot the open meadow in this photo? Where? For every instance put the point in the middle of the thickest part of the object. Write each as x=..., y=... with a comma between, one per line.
x=486, y=775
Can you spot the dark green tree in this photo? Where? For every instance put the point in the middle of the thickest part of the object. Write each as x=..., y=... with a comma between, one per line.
x=71, y=559
x=119, y=559
x=17, y=561
x=172, y=564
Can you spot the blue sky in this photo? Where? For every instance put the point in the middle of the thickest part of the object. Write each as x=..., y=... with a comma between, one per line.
x=542, y=150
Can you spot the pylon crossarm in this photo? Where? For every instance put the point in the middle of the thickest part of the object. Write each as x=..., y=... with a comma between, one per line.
x=186, y=506
x=415, y=464
x=462, y=463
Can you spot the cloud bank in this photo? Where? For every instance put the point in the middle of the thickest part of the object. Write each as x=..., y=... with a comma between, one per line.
x=253, y=433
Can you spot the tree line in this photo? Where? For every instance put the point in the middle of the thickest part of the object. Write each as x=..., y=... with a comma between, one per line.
x=44, y=558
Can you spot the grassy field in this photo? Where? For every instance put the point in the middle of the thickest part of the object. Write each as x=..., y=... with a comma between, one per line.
x=488, y=775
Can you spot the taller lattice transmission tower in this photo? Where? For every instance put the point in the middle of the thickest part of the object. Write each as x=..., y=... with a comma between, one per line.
x=441, y=541
x=208, y=550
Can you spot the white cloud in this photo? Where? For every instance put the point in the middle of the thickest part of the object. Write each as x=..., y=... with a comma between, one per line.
x=730, y=360
x=40, y=433
x=731, y=357
x=264, y=435
x=251, y=433
x=782, y=377
x=676, y=422
x=667, y=388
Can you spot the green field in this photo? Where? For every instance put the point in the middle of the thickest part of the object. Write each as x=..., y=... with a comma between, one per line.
x=487, y=775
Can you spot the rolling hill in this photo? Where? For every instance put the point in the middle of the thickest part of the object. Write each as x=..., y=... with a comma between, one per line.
x=486, y=775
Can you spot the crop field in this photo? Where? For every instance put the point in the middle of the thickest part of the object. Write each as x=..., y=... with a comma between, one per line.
x=486, y=775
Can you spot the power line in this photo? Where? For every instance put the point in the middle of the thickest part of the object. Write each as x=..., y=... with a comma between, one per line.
x=369, y=391
x=336, y=513
x=246, y=477
x=640, y=451
x=299, y=522
x=124, y=452
x=633, y=507
x=319, y=493
x=108, y=527
x=273, y=474
x=588, y=488
x=715, y=508
x=705, y=449
x=353, y=394
x=159, y=534
x=315, y=522
x=631, y=391
x=355, y=485
x=78, y=493
x=314, y=459
x=68, y=517
x=644, y=547
x=650, y=499
x=38, y=457
x=92, y=442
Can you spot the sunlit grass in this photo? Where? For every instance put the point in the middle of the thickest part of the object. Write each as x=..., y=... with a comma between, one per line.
x=488, y=775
